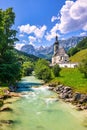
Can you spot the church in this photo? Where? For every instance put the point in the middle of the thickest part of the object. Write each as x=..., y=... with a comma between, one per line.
x=60, y=57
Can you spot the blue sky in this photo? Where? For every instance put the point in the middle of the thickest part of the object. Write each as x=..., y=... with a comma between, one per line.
x=38, y=21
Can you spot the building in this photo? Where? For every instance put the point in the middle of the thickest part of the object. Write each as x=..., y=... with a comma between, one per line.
x=60, y=56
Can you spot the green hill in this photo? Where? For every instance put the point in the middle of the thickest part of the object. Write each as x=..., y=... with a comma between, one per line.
x=80, y=46
x=79, y=56
x=25, y=57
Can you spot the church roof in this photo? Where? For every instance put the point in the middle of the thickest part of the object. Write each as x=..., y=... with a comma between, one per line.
x=61, y=52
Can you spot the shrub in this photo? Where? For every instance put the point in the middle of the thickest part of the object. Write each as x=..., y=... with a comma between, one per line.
x=42, y=70
x=83, y=67
x=56, y=70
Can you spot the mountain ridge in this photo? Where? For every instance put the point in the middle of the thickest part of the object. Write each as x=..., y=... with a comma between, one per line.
x=47, y=52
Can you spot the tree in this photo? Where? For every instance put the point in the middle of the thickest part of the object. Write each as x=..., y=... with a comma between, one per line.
x=27, y=68
x=10, y=68
x=42, y=70
x=10, y=73
x=46, y=74
x=7, y=34
x=56, y=70
x=72, y=51
x=83, y=67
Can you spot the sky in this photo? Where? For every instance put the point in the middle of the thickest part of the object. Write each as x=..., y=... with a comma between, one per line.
x=39, y=21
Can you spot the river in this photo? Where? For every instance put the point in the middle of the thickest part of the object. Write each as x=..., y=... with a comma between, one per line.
x=38, y=109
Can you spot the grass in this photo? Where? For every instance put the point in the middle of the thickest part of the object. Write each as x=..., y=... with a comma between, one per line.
x=2, y=89
x=79, y=56
x=73, y=78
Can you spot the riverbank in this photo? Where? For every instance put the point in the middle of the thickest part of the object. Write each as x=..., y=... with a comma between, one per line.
x=71, y=77
x=6, y=99
x=67, y=94
x=6, y=94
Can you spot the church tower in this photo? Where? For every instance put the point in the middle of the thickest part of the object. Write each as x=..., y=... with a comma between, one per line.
x=56, y=46
x=60, y=56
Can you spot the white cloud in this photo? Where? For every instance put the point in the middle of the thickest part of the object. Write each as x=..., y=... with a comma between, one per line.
x=83, y=34
x=53, y=32
x=21, y=35
x=55, y=28
x=73, y=16
x=18, y=46
x=37, y=31
x=27, y=28
x=50, y=36
x=24, y=41
x=32, y=40
x=85, y=27
x=54, y=18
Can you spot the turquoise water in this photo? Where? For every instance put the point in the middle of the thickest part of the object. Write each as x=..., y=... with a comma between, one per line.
x=38, y=109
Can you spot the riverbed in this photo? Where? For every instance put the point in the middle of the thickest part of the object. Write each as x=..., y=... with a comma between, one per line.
x=40, y=109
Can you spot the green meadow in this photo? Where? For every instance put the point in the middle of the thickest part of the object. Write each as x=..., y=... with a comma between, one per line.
x=73, y=78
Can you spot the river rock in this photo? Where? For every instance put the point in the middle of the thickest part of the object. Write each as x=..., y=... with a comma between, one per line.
x=85, y=107
x=51, y=88
x=59, y=87
x=63, y=95
x=13, y=94
x=7, y=96
x=83, y=99
x=1, y=103
x=67, y=88
x=77, y=96
x=67, y=94
x=52, y=85
x=69, y=100
x=79, y=108
x=7, y=121
x=6, y=109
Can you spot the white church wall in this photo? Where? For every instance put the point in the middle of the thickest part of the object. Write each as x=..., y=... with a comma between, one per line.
x=68, y=65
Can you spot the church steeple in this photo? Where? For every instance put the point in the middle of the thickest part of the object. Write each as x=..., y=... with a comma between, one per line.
x=56, y=45
x=56, y=38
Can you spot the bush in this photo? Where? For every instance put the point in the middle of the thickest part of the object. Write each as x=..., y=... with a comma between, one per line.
x=83, y=67
x=56, y=70
x=27, y=68
x=46, y=75
x=42, y=70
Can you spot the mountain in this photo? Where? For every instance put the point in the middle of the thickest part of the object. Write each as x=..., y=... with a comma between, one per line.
x=71, y=42
x=80, y=46
x=29, y=49
x=47, y=52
